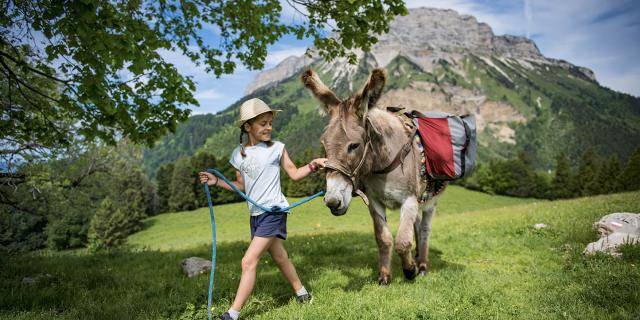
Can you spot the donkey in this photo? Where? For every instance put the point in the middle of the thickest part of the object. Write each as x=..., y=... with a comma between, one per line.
x=370, y=147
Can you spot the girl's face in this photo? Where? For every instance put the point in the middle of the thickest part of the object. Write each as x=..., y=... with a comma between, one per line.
x=259, y=128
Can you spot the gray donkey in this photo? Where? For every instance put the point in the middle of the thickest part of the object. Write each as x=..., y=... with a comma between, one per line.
x=372, y=149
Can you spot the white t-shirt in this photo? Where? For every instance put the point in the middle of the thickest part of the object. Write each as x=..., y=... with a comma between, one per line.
x=260, y=170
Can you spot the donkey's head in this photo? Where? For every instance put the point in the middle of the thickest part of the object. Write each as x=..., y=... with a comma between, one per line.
x=346, y=139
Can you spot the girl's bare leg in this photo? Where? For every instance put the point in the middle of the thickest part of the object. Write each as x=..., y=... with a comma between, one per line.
x=249, y=266
x=281, y=258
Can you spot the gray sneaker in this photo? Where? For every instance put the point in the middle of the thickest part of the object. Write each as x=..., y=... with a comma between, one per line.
x=305, y=298
x=225, y=316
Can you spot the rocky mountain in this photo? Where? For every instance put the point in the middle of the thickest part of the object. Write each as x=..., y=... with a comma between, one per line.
x=424, y=37
x=441, y=60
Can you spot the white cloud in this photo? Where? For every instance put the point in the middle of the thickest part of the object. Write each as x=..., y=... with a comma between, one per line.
x=184, y=65
x=209, y=94
x=276, y=56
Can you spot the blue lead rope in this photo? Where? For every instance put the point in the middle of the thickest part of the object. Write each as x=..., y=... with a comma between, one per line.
x=213, y=223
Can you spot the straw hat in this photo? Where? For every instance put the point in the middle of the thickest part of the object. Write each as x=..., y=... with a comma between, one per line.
x=253, y=108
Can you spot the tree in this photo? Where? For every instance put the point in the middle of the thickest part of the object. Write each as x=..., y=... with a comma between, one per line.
x=109, y=226
x=480, y=179
x=163, y=179
x=220, y=195
x=94, y=68
x=562, y=184
x=516, y=177
x=56, y=203
x=200, y=162
x=182, y=195
x=631, y=174
x=310, y=185
x=609, y=175
x=588, y=173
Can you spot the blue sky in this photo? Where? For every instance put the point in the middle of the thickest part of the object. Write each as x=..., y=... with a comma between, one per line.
x=602, y=35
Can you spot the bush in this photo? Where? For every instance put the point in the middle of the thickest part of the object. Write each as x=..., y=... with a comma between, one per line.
x=21, y=231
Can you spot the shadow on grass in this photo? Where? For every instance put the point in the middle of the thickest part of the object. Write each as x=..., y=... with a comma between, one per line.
x=147, y=284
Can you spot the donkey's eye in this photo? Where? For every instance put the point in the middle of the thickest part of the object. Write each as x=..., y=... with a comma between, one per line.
x=353, y=146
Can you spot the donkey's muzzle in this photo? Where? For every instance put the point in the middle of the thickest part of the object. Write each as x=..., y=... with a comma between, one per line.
x=335, y=205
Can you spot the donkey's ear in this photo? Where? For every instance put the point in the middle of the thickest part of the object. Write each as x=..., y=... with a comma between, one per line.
x=371, y=92
x=311, y=80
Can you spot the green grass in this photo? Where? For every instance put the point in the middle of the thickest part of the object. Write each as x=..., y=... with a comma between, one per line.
x=487, y=261
x=192, y=228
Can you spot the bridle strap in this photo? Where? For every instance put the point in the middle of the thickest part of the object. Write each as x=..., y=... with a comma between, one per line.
x=353, y=176
x=399, y=159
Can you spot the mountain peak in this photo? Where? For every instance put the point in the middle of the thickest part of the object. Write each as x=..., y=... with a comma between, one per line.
x=425, y=36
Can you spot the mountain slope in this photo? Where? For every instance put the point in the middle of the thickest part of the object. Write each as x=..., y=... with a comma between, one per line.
x=440, y=60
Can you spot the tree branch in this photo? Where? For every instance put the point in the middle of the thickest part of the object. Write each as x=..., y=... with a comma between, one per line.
x=12, y=179
x=15, y=77
x=93, y=168
x=22, y=63
x=29, y=146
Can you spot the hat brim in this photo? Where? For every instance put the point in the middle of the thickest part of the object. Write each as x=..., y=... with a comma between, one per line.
x=239, y=123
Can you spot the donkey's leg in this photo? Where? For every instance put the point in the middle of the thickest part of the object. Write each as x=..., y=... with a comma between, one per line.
x=384, y=238
x=408, y=216
x=416, y=232
x=423, y=238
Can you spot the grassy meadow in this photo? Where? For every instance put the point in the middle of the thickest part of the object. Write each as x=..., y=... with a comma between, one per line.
x=486, y=260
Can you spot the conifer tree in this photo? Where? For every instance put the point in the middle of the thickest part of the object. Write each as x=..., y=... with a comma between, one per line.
x=200, y=162
x=615, y=171
x=108, y=226
x=631, y=173
x=182, y=196
x=609, y=175
x=562, y=183
x=163, y=179
x=588, y=173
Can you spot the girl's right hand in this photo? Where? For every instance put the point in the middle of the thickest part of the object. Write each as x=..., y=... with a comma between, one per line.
x=207, y=177
x=319, y=163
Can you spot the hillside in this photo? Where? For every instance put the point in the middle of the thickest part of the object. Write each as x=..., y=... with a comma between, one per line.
x=487, y=261
x=440, y=60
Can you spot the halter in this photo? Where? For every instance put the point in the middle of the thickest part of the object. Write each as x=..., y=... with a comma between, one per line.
x=352, y=175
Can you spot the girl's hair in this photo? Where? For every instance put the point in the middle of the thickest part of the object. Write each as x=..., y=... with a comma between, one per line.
x=242, y=132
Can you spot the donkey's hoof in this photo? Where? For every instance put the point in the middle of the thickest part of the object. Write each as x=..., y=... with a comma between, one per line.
x=410, y=274
x=423, y=271
x=384, y=280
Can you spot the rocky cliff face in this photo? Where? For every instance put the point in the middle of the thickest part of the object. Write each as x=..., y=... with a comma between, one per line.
x=425, y=37
x=283, y=70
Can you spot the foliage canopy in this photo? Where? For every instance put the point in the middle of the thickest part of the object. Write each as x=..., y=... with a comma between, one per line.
x=95, y=68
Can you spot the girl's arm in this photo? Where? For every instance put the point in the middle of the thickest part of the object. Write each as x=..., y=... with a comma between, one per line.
x=214, y=181
x=296, y=173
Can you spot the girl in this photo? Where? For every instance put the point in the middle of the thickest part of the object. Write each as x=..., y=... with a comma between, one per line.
x=257, y=166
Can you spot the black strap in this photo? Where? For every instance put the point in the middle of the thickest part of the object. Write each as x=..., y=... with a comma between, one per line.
x=399, y=159
x=463, y=162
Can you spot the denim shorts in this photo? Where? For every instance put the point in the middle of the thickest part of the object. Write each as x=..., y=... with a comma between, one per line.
x=269, y=225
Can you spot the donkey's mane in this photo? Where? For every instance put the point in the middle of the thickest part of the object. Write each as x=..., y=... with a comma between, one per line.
x=384, y=123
